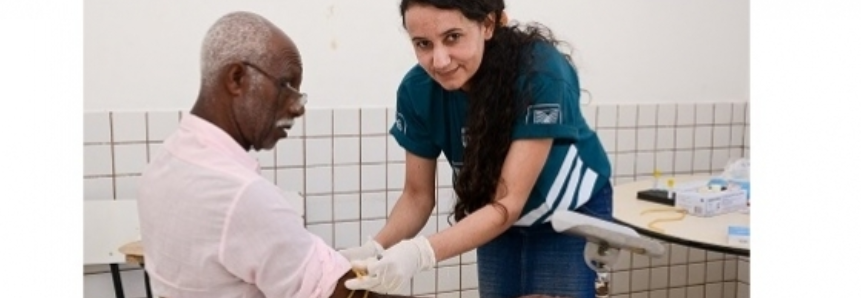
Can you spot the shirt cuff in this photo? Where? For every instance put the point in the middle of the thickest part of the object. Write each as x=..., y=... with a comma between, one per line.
x=330, y=266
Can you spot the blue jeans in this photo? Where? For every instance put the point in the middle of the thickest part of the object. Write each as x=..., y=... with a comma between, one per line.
x=538, y=260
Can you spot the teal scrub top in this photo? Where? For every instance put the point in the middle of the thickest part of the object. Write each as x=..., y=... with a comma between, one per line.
x=430, y=120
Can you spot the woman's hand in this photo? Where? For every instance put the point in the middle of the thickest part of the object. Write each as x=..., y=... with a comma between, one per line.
x=397, y=266
x=370, y=249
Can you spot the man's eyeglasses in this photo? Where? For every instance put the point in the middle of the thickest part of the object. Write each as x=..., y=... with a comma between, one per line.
x=281, y=83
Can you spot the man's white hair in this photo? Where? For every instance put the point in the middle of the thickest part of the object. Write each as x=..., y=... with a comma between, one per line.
x=237, y=36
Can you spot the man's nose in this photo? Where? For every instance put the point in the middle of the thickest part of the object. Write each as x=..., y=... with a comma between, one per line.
x=297, y=110
x=441, y=58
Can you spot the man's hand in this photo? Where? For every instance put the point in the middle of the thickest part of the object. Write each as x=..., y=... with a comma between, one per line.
x=397, y=266
x=370, y=249
x=342, y=292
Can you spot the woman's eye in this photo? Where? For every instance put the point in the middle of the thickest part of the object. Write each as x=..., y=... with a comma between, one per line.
x=453, y=37
x=422, y=44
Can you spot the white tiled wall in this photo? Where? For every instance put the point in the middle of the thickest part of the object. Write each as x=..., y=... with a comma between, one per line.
x=351, y=173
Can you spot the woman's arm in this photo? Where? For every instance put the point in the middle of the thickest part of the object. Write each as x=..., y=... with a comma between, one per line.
x=523, y=164
x=401, y=262
x=413, y=208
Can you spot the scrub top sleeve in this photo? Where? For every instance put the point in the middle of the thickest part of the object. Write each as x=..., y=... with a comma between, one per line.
x=552, y=113
x=410, y=128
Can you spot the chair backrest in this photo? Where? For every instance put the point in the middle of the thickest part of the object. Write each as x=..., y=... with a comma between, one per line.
x=109, y=224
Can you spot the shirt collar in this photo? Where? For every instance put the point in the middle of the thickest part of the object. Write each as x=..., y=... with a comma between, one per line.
x=218, y=138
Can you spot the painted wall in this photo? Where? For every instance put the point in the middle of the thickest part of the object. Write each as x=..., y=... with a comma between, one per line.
x=144, y=55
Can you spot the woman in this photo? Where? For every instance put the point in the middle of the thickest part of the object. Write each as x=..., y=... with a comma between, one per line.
x=502, y=104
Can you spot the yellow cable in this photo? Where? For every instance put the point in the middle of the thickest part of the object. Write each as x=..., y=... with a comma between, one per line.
x=652, y=226
x=359, y=274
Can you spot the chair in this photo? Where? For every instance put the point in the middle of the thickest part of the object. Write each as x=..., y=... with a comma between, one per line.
x=134, y=253
x=108, y=225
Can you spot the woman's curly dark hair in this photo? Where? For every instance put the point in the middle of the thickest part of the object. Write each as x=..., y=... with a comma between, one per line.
x=494, y=99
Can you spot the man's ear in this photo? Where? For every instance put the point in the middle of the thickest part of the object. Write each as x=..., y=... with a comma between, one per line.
x=235, y=79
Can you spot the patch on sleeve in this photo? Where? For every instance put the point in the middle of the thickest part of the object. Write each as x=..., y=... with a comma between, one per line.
x=549, y=113
x=401, y=123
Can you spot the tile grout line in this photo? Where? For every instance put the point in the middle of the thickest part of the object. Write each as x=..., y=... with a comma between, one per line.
x=332, y=173
x=655, y=153
x=146, y=135
x=667, y=245
x=361, y=188
x=731, y=132
x=694, y=138
x=712, y=139
x=616, y=144
x=275, y=167
x=304, y=192
x=113, y=158
x=675, y=137
x=744, y=130
x=388, y=114
x=636, y=137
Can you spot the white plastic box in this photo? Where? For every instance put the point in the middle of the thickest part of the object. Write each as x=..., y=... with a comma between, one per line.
x=698, y=200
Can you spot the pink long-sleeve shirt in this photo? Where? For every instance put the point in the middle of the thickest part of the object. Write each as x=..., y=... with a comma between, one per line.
x=213, y=227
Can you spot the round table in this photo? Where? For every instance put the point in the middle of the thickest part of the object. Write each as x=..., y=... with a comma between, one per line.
x=708, y=233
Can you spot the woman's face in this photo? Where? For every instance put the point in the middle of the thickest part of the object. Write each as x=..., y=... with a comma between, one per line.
x=447, y=44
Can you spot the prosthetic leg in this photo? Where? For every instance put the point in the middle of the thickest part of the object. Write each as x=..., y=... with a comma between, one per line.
x=604, y=241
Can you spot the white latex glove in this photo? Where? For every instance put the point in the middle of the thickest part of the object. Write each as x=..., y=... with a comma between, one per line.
x=397, y=266
x=370, y=249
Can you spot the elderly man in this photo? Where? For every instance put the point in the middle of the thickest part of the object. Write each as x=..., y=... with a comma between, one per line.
x=211, y=225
